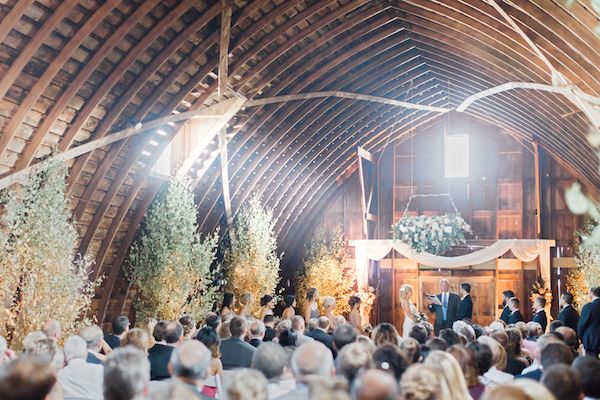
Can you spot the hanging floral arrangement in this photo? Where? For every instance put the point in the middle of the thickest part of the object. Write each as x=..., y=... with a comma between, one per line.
x=541, y=288
x=431, y=234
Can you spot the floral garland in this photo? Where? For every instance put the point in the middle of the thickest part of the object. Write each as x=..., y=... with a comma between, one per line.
x=431, y=234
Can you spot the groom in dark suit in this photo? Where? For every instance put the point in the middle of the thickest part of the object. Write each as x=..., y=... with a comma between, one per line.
x=568, y=314
x=465, y=307
x=445, y=314
x=589, y=325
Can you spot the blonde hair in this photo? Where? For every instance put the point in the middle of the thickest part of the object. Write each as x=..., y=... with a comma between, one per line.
x=498, y=352
x=451, y=372
x=328, y=301
x=422, y=382
x=385, y=333
x=246, y=299
x=533, y=389
x=247, y=384
x=137, y=338
x=405, y=291
x=148, y=326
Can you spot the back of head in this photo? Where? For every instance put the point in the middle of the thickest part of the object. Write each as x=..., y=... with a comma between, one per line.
x=498, y=352
x=570, y=336
x=269, y=319
x=467, y=363
x=120, y=324
x=266, y=299
x=44, y=348
x=411, y=349
x=556, y=353
x=436, y=343
x=385, y=333
x=312, y=358
x=483, y=356
x=237, y=327
x=534, y=329
x=344, y=335
x=257, y=328
x=189, y=325
x=92, y=336
x=159, y=331
x=389, y=359
x=212, y=320
x=450, y=337
x=126, y=374
x=500, y=337
x=505, y=392
x=375, y=385
x=323, y=323
x=419, y=333
x=450, y=371
x=554, y=325
x=173, y=332
x=533, y=389
x=298, y=323
x=209, y=337
x=545, y=340
x=508, y=294
x=562, y=381
x=589, y=371
x=312, y=324
x=51, y=329
x=270, y=359
x=422, y=382
x=596, y=291
x=247, y=384
x=191, y=360
x=26, y=378
x=466, y=331
x=136, y=337
x=352, y=359
x=75, y=347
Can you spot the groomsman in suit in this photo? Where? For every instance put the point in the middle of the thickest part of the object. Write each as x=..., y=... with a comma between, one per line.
x=539, y=312
x=568, y=314
x=465, y=307
x=445, y=314
x=515, y=314
x=589, y=325
x=507, y=295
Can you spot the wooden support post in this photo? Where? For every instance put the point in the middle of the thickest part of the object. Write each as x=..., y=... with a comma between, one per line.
x=225, y=178
x=226, y=10
x=538, y=202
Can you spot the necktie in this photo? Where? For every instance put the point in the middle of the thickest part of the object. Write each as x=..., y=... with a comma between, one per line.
x=445, y=305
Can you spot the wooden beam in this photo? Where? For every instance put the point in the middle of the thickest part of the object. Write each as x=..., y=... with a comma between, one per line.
x=225, y=178
x=538, y=192
x=226, y=11
x=13, y=17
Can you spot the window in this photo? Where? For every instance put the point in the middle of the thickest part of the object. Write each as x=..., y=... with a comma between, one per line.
x=456, y=161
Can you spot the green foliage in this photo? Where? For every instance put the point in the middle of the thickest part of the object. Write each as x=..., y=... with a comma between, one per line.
x=40, y=278
x=326, y=268
x=169, y=263
x=587, y=260
x=251, y=259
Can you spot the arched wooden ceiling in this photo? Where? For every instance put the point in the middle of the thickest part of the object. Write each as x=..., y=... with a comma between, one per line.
x=72, y=71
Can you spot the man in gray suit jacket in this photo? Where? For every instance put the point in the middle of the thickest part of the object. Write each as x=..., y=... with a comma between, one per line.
x=235, y=352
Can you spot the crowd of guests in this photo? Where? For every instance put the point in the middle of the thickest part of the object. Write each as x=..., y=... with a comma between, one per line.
x=283, y=353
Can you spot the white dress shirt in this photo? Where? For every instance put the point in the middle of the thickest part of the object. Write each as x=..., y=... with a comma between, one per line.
x=81, y=380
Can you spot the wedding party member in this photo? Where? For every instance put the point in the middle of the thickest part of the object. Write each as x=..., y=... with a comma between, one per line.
x=355, y=318
x=506, y=296
x=247, y=301
x=539, y=312
x=267, y=303
x=311, y=305
x=445, y=314
x=568, y=314
x=227, y=307
x=465, y=306
x=329, y=305
x=589, y=324
x=515, y=314
x=409, y=309
x=290, y=307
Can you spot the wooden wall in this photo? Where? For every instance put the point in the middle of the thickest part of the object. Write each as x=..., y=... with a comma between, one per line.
x=498, y=200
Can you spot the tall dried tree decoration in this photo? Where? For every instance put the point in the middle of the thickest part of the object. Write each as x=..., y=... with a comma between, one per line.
x=251, y=256
x=587, y=260
x=326, y=268
x=169, y=263
x=41, y=278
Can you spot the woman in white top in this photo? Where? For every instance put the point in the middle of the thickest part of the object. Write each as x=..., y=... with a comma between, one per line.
x=311, y=306
x=409, y=309
x=495, y=376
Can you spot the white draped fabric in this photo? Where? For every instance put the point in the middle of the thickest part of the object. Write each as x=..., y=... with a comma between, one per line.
x=524, y=250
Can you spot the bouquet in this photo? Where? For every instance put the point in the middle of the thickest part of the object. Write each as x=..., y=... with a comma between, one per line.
x=420, y=317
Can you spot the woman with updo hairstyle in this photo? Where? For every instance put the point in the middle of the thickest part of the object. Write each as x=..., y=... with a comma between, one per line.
x=267, y=303
x=208, y=336
x=247, y=301
x=311, y=306
x=226, y=311
x=290, y=304
x=355, y=317
x=329, y=306
x=385, y=333
x=137, y=338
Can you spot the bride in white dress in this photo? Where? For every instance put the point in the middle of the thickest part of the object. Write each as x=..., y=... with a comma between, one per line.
x=406, y=292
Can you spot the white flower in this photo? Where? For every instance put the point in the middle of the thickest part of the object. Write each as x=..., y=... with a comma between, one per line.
x=577, y=202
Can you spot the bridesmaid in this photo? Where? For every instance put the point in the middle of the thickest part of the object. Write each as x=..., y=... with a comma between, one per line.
x=311, y=307
x=247, y=301
x=226, y=308
x=267, y=304
x=355, y=317
x=290, y=307
x=329, y=305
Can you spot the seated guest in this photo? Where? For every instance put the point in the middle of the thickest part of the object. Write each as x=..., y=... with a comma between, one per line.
x=388, y=359
x=450, y=337
x=570, y=339
x=465, y=306
x=148, y=326
x=534, y=331
x=450, y=372
x=470, y=370
x=436, y=343
x=6, y=354
x=190, y=364
x=208, y=337
x=247, y=384
x=465, y=330
x=343, y=335
x=160, y=354
x=246, y=302
x=562, y=381
x=374, y=384
x=568, y=315
x=588, y=369
x=515, y=362
x=505, y=392
x=320, y=334
x=290, y=307
x=411, y=349
x=554, y=325
x=515, y=314
x=506, y=296
x=80, y=379
x=386, y=333
x=483, y=357
x=298, y=328
x=235, y=353
x=495, y=374
x=312, y=324
x=137, y=338
x=552, y=354
x=27, y=378
x=189, y=326
x=287, y=338
x=533, y=389
x=213, y=320
x=257, y=333
x=539, y=312
x=542, y=342
x=47, y=350
x=120, y=325
x=93, y=339
x=308, y=361
x=423, y=382
x=417, y=332
x=351, y=360
x=126, y=374
x=272, y=360
x=270, y=333
x=52, y=329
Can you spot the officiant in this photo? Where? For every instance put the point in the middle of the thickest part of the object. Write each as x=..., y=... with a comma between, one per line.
x=446, y=308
